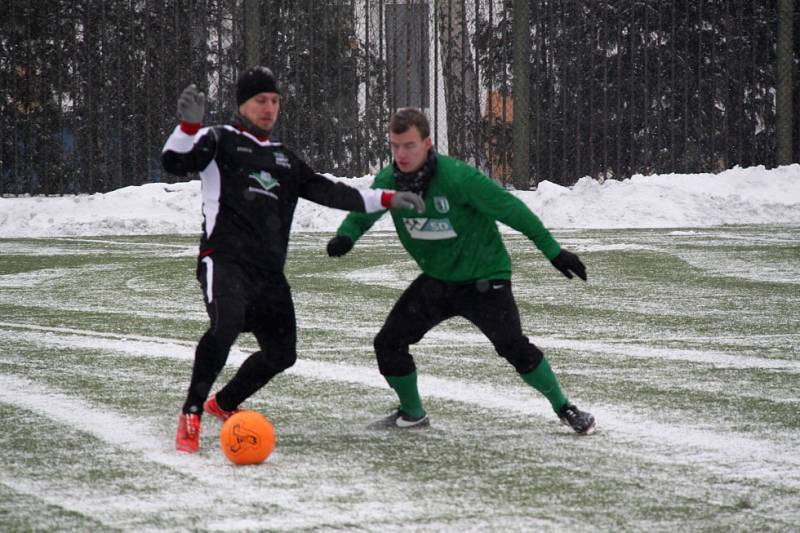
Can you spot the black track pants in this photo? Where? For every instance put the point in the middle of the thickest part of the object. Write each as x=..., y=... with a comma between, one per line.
x=237, y=300
x=490, y=305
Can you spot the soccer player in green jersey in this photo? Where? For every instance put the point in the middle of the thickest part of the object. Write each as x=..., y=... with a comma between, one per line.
x=466, y=270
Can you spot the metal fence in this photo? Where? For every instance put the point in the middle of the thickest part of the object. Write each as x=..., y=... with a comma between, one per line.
x=88, y=87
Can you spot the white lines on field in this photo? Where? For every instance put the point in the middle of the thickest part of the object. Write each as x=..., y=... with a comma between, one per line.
x=775, y=461
x=133, y=435
x=26, y=280
x=37, y=490
x=736, y=265
x=736, y=454
x=452, y=337
x=33, y=278
x=616, y=247
x=131, y=244
x=394, y=276
x=715, y=359
x=39, y=249
x=216, y=494
x=89, y=333
x=455, y=339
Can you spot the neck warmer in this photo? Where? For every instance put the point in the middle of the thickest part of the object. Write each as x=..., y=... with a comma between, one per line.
x=416, y=181
x=240, y=121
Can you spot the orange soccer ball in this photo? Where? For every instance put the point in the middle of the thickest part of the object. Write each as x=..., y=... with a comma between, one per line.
x=247, y=438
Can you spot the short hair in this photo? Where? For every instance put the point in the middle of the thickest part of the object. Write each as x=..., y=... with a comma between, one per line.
x=406, y=117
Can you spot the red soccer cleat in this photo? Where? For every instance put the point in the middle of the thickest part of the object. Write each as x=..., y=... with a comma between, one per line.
x=187, y=439
x=212, y=407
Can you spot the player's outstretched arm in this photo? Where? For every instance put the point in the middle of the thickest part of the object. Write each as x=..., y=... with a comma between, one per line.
x=184, y=151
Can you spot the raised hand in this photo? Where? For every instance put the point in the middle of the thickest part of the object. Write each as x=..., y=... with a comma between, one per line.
x=191, y=105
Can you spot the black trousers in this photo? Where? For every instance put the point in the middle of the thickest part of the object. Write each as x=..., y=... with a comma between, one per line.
x=490, y=305
x=240, y=298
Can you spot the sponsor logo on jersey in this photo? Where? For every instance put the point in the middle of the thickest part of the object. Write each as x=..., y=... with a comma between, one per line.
x=266, y=182
x=281, y=160
x=441, y=204
x=244, y=149
x=430, y=229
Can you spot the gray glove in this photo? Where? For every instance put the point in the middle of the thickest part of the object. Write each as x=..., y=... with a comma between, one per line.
x=407, y=200
x=191, y=105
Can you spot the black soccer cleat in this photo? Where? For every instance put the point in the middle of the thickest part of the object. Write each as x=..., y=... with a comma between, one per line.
x=581, y=421
x=400, y=420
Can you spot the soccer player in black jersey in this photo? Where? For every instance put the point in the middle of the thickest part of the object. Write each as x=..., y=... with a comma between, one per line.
x=250, y=188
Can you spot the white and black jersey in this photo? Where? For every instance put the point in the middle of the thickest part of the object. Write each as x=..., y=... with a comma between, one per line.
x=250, y=189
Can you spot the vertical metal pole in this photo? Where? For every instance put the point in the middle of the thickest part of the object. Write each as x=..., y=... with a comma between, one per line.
x=674, y=83
x=604, y=46
x=713, y=112
x=784, y=66
x=648, y=163
x=538, y=89
x=697, y=162
x=385, y=110
x=436, y=69
x=633, y=146
x=477, y=137
x=252, y=33
x=619, y=117
x=521, y=96
x=685, y=139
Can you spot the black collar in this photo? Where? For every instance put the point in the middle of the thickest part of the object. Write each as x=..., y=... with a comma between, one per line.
x=418, y=180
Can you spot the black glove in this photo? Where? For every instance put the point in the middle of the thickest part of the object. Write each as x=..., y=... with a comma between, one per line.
x=339, y=245
x=191, y=105
x=567, y=263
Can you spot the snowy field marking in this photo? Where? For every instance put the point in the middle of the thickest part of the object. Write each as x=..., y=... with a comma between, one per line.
x=729, y=454
x=213, y=482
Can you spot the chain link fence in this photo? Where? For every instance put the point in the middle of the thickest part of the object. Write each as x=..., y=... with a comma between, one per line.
x=609, y=88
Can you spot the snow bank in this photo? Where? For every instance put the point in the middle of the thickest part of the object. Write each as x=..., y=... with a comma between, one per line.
x=737, y=196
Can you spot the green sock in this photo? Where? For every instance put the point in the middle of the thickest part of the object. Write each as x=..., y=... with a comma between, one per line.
x=544, y=380
x=406, y=389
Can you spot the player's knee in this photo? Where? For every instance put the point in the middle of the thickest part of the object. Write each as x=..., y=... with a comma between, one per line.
x=522, y=355
x=393, y=357
x=283, y=360
x=212, y=351
x=384, y=344
x=225, y=332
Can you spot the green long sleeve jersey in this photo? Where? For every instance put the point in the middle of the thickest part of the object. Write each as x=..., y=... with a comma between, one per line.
x=456, y=239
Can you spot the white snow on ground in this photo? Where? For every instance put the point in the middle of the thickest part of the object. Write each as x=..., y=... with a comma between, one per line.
x=737, y=196
x=770, y=462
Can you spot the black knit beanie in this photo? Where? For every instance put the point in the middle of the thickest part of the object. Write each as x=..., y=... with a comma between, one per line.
x=254, y=81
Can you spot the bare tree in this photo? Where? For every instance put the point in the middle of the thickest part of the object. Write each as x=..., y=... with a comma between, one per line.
x=460, y=85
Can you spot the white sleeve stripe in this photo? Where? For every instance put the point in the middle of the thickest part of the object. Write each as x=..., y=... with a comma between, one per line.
x=211, y=191
x=209, y=278
x=372, y=200
x=181, y=142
